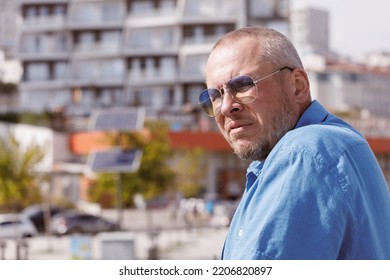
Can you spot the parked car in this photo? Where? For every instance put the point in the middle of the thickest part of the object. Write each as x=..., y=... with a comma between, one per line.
x=16, y=226
x=74, y=222
x=36, y=213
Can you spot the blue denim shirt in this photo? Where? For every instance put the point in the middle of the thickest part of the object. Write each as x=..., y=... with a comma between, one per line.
x=320, y=194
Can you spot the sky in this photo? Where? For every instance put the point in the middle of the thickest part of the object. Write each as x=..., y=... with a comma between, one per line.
x=357, y=27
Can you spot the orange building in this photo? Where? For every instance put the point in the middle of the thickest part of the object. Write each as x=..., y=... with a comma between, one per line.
x=225, y=174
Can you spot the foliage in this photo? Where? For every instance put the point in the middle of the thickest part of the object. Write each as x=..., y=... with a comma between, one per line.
x=7, y=88
x=11, y=117
x=154, y=176
x=190, y=172
x=54, y=120
x=19, y=180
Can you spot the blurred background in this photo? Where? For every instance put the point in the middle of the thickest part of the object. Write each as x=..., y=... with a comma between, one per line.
x=104, y=152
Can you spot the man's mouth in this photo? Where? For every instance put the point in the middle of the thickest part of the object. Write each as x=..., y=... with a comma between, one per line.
x=237, y=126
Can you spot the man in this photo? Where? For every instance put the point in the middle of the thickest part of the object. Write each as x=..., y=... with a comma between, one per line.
x=314, y=188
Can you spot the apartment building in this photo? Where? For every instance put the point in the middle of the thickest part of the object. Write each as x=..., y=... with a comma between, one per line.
x=310, y=30
x=85, y=54
x=9, y=22
x=355, y=89
x=339, y=84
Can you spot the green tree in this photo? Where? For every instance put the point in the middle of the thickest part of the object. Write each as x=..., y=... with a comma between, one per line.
x=190, y=169
x=154, y=176
x=19, y=178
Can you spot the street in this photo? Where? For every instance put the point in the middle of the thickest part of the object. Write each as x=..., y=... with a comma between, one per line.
x=168, y=239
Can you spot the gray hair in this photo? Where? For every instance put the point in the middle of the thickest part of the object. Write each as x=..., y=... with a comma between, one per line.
x=275, y=47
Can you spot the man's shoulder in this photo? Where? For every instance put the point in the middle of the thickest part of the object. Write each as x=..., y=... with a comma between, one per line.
x=327, y=132
x=325, y=140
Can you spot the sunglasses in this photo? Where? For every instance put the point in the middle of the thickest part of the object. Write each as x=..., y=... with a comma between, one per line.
x=238, y=88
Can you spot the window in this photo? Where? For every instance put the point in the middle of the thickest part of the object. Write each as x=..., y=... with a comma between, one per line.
x=167, y=67
x=110, y=39
x=142, y=7
x=168, y=96
x=261, y=8
x=192, y=94
x=87, y=40
x=59, y=10
x=43, y=11
x=37, y=72
x=155, y=38
x=30, y=43
x=112, y=11
x=144, y=97
x=112, y=68
x=88, y=97
x=60, y=42
x=30, y=13
x=195, y=65
x=85, y=12
x=60, y=70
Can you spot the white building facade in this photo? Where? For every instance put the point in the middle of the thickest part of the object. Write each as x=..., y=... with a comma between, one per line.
x=9, y=24
x=83, y=54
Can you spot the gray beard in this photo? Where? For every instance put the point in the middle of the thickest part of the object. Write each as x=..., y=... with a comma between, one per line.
x=281, y=125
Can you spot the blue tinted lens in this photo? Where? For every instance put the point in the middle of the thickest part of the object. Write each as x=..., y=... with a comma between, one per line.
x=239, y=84
x=210, y=99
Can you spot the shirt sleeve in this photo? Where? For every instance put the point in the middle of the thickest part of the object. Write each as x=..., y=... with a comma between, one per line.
x=307, y=214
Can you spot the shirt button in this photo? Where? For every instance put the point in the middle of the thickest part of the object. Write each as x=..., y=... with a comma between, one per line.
x=241, y=232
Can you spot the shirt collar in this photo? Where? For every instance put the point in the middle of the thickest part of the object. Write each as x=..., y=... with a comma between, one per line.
x=315, y=113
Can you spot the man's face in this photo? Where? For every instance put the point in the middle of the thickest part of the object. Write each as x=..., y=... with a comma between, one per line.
x=251, y=129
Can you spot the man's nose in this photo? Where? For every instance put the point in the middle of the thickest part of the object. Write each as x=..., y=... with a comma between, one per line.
x=229, y=105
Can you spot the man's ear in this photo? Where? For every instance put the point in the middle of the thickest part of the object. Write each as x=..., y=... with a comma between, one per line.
x=301, y=85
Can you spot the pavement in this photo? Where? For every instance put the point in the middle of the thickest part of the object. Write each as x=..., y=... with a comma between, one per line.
x=144, y=238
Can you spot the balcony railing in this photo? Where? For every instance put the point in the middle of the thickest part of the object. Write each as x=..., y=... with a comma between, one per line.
x=195, y=40
x=152, y=76
x=98, y=48
x=45, y=22
x=211, y=8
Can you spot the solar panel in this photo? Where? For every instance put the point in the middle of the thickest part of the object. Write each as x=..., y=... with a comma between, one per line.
x=120, y=119
x=115, y=160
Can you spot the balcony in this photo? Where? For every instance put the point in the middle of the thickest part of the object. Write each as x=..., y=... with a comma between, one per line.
x=201, y=40
x=97, y=50
x=147, y=41
x=153, y=71
x=41, y=55
x=144, y=13
x=210, y=11
x=45, y=53
x=192, y=68
x=107, y=72
x=25, y=2
x=96, y=15
x=152, y=77
x=44, y=23
x=275, y=10
x=47, y=84
x=45, y=75
x=44, y=46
